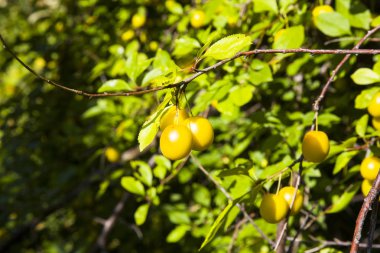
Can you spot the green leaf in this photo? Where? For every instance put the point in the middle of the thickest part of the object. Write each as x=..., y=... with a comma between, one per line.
x=364, y=76
x=376, y=67
x=201, y=195
x=141, y=214
x=151, y=126
x=185, y=45
x=242, y=94
x=174, y=7
x=136, y=64
x=217, y=224
x=228, y=46
x=357, y=13
x=361, y=125
x=114, y=85
x=342, y=201
x=132, y=185
x=375, y=22
x=177, y=233
x=363, y=99
x=178, y=217
x=342, y=160
x=265, y=5
x=333, y=24
x=260, y=73
x=292, y=37
x=145, y=172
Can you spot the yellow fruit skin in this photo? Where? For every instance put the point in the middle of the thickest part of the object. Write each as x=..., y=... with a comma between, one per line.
x=376, y=123
x=201, y=131
x=321, y=9
x=315, y=146
x=138, y=20
x=366, y=186
x=197, y=19
x=374, y=106
x=172, y=116
x=175, y=142
x=112, y=154
x=288, y=193
x=273, y=208
x=370, y=167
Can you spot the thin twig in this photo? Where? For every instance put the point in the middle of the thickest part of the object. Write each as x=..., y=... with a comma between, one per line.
x=336, y=243
x=186, y=81
x=316, y=105
x=228, y=196
x=280, y=244
x=109, y=223
x=235, y=234
x=368, y=202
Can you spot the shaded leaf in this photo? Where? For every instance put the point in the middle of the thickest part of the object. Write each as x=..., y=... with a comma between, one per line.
x=342, y=201
x=177, y=233
x=217, y=224
x=342, y=160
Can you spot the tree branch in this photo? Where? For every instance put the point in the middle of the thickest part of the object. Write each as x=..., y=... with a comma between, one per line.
x=368, y=202
x=186, y=81
x=109, y=223
x=316, y=105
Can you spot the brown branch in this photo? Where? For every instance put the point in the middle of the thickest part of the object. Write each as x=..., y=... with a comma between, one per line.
x=367, y=204
x=109, y=223
x=186, y=81
x=317, y=102
x=372, y=225
x=235, y=234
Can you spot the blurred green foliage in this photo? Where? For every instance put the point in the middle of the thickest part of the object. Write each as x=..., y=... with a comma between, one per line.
x=56, y=183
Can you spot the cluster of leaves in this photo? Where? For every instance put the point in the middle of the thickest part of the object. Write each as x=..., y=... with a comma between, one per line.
x=54, y=175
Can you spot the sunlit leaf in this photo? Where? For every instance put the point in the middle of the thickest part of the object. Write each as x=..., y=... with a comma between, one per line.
x=364, y=76
x=132, y=185
x=228, y=46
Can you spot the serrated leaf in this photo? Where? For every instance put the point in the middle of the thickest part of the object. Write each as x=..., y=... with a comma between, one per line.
x=341, y=202
x=141, y=213
x=132, y=185
x=332, y=24
x=361, y=125
x=114, y=85
x=217, y=224
x=364, y=76
x=228, y=46
x=342, y=161
x=292, y=37
x=363, y=99
x=177, y=233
